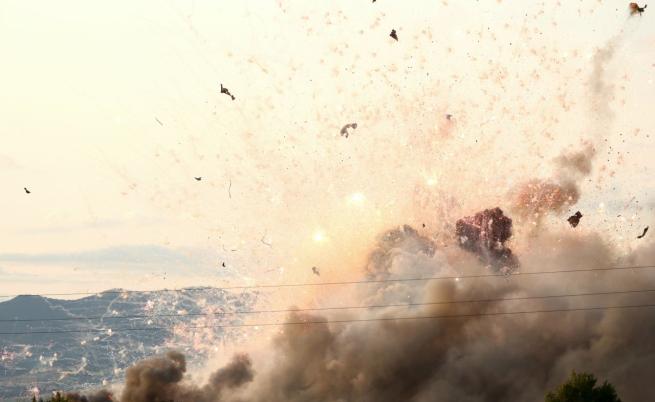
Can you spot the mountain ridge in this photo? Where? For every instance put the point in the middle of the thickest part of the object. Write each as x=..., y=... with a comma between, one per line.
x=96, y=353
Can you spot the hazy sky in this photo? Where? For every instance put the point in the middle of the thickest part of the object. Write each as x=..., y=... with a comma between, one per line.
x=109, y=110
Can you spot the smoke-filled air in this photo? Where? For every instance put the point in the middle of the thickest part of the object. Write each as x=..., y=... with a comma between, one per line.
x=295, y=201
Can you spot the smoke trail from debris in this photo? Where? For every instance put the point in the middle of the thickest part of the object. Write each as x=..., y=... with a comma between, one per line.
x=602, y=91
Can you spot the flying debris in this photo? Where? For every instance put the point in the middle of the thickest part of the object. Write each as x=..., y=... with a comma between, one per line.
x=575, y=219
x=449, y=116
x=635, y=9
x=198, y=178
x=644, y=233
x=158, y=121
x=393, y=34
x=263, y=240
x=344, y=129
x=315, y=271
x=485, y=234
x=26, y=190
x=223, y=264
x=227, y=92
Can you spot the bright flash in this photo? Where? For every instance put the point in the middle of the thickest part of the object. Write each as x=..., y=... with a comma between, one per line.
x=319, y=236
x=431, y=182
x=357, y=198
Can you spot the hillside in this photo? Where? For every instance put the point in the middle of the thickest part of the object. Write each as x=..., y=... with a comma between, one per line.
x=91, y=346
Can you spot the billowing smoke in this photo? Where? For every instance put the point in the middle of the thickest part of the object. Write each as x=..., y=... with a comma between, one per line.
x=485, y=234
x=162, y=378
x=448, y=352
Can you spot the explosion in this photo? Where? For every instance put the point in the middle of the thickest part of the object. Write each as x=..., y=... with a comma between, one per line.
x=485, y=351
x=438, y=315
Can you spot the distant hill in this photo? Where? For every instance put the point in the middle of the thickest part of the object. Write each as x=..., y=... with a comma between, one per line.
x=92, y=351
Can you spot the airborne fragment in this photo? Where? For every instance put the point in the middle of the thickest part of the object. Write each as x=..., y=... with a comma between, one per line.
x=575, y=219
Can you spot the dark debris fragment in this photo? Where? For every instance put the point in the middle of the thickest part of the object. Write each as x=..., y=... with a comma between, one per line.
x=575, y=219
x=226, y=91
x=635, y=9
x=344, y=129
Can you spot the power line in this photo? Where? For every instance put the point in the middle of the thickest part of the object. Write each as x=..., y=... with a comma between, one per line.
x=344, y=321
x=374, y=306
x=358, y=282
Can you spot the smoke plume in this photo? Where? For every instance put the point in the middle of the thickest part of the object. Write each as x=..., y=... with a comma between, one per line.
x=469, y=354
x=162, y=378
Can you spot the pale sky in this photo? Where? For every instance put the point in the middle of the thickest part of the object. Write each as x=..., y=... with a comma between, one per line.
x=109, y=110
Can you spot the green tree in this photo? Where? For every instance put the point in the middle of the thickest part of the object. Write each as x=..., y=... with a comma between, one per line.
x=582, y=388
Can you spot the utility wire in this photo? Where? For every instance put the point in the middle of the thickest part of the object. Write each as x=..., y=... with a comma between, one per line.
x=343, y=321
x=374, y=306
x=363, y=281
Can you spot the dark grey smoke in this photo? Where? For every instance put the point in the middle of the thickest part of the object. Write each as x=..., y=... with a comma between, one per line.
x=162, y=378
x=235, y=374
x=485, y=234
x=154, y=379
x=474, y=358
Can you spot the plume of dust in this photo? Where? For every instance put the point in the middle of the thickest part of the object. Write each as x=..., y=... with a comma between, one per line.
x=469, y=358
